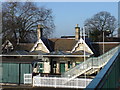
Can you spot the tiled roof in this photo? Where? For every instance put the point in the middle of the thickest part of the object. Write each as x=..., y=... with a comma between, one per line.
x=19, y=52
x=99, y=47
x=61, y=44
x=88, y=42
x=111, y=39
x=80, y=53
x=24, y=46
x=65, y=44
x=47, y=43
x=58, y=53
x=36, y=53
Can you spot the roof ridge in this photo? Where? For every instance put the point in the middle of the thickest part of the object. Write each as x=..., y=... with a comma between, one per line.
x=62, y=38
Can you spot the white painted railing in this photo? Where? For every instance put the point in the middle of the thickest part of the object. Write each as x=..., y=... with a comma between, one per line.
x=91, y=63
x=60, y=82
x=27, y=78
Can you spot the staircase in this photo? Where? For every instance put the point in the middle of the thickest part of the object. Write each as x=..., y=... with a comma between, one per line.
x=91, y=65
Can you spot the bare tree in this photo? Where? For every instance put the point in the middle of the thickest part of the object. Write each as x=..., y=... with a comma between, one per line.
x=100, y=22
x=20, y=20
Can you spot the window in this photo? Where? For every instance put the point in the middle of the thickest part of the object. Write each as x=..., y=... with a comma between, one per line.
x=40, y=67
x=69, y=64
x=54, y=64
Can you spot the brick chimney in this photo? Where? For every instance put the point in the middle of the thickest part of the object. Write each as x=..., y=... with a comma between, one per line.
x=39, y=32
x=77, y=32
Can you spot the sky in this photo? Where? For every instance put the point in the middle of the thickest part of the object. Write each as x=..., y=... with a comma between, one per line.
x=68, y=14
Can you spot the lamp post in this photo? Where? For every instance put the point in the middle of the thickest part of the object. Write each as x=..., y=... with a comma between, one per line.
x=84, y=53
x=104, y=40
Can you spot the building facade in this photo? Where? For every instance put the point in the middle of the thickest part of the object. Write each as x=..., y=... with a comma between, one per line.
x=58, y=55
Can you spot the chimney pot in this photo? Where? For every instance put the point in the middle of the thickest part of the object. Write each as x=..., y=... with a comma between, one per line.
x=38, y=26
x=76, y=25
x=39, y=32
x=77, y=32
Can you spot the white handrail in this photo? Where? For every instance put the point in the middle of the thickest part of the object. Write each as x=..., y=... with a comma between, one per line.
x=93, y=62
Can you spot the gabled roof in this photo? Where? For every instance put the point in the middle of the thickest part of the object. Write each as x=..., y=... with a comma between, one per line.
x=67, y=44
x=47, y=43
x=85, y=42
x=88, y=42
x=56, y=44
x=40, y=41
x=6, y=43
x=62, y=44
x=24, y=46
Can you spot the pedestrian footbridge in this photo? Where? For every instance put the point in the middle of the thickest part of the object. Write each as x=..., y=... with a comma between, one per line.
x=91, y=65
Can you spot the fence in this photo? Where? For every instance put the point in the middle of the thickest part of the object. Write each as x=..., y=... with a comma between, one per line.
x=27, y=78
x=59, y=82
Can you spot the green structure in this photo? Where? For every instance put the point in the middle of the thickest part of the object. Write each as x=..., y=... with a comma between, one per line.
x=14, y=68
x=14, y=72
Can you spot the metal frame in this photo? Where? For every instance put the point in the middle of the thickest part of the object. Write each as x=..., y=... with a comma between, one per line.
x=97, y=81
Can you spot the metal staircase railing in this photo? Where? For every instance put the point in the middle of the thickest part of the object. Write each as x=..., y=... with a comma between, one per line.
x=91, y=63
